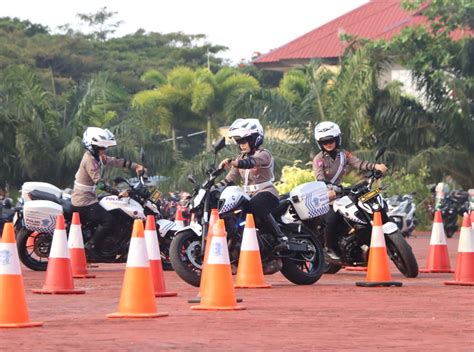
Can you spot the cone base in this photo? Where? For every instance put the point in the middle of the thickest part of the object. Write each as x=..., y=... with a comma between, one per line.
x=58, y=291
x=198, y=300
x=436, y=271
x=459, y=283
x=379, y=284
x=166, y=294
x=22, y=325
x=84, y=276
x=136, y=315
x=253, y=286
x=200, y=307
x=355, y=268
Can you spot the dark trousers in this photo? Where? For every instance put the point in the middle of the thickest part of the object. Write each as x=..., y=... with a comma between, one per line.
x=94, y=214
x=262, y=204
x=331, y=220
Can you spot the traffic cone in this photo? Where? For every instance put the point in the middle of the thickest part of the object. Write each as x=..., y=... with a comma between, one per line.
x=59, y=271
x=75, y=244
x=179, y=220
x=138, y=296
x=212, y=221
x=218, y=293
x=438, y=257
x=378, y=271
x=250, y=271
x=13, y=308
x=464, y=273
x=153, y=250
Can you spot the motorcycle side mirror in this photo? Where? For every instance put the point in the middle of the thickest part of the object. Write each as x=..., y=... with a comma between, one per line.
x=219, y=144
x=120, y=179
x=380, y=152
x=191, y=179
x=8, y=203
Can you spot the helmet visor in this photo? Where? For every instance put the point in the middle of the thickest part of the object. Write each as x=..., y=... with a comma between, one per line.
x=328, y=140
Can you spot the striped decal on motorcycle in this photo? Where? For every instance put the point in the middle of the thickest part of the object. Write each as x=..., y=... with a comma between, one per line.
x=47, y=226
x=313, y=203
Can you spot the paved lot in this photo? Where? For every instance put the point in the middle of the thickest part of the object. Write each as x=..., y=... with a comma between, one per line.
x=333, y=314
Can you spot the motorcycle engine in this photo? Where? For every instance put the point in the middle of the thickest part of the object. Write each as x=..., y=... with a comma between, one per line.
x=350, y=248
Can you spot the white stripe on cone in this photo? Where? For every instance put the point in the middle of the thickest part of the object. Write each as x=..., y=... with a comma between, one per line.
x=437, y=234
x=137, y=253
x=466, y=240
x=75, y=237
x=378, y=238
x=152, y=245
x=59, y=247
x=218, y=253
x=9, y=262
x=249, y=241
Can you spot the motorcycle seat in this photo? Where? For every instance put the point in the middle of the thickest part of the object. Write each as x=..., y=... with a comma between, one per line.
x=65, y=203
x=281, y=207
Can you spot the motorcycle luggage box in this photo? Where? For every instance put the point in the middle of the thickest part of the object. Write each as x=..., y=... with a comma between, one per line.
x=39, y=186
x=310, y=200
x=40, y=215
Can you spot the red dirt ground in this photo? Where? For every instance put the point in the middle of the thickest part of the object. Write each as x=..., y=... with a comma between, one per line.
x=333, y=314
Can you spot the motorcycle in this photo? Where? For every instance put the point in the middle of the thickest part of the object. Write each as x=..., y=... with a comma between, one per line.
x=402, y=209
x=452, y=206
x=302, y=262
x=356, y=205
x=42, y=202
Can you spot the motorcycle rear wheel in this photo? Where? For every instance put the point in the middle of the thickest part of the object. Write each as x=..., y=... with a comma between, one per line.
x=34, y=255
x=305, y=269
x=401, y=254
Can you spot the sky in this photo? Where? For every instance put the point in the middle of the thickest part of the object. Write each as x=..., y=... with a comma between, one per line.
x=244, y=26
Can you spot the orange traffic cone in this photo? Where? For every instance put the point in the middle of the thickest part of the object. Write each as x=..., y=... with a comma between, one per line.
x=138, y=296
x=59, y=271
x=378, y=271
x=75, y=244
x=212, y=221
x=464, y=273
x=250, y=271
x=13, y=308
x=179, y=220
x=153, y=249
x=438, y=257
x=218, y=294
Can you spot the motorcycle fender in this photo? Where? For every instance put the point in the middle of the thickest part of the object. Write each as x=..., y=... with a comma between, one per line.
x=196, y=228
x=164, y=226
x=389, y=228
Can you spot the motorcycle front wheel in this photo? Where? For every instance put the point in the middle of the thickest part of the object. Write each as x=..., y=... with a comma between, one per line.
x=401, y=254
x=185, y=256
x=33, y=248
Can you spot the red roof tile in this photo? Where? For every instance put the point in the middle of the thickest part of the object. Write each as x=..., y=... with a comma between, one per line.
x=378, y=19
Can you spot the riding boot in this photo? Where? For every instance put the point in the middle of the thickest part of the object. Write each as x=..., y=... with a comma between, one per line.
x=329, y=246
x=271, y=223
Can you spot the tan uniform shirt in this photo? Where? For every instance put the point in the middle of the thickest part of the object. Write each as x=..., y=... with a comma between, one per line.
x=262, y=172
x=87, y=176
x=332, y=170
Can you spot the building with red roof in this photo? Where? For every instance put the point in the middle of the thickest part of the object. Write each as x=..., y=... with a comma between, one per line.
x=377, y=19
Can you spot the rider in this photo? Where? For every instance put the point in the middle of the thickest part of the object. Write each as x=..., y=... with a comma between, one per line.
x=254, y=165
x=89, y=176
x=330, y=165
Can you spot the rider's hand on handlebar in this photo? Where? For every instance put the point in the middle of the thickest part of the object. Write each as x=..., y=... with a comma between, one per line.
x=381, y=167
x=140, y=170
x=227, y=163
x=123, y=194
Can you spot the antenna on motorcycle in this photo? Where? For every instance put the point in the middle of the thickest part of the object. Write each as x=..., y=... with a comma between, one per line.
x=380, y=152
x=142, y=155
x=218, y=145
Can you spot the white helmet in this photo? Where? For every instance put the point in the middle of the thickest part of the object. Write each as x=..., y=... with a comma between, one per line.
x=95, y=137
x=327, y=130
x=249, y=129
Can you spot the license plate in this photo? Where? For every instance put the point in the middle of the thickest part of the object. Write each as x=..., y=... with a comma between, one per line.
x=369, y=195
x=155, y=196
